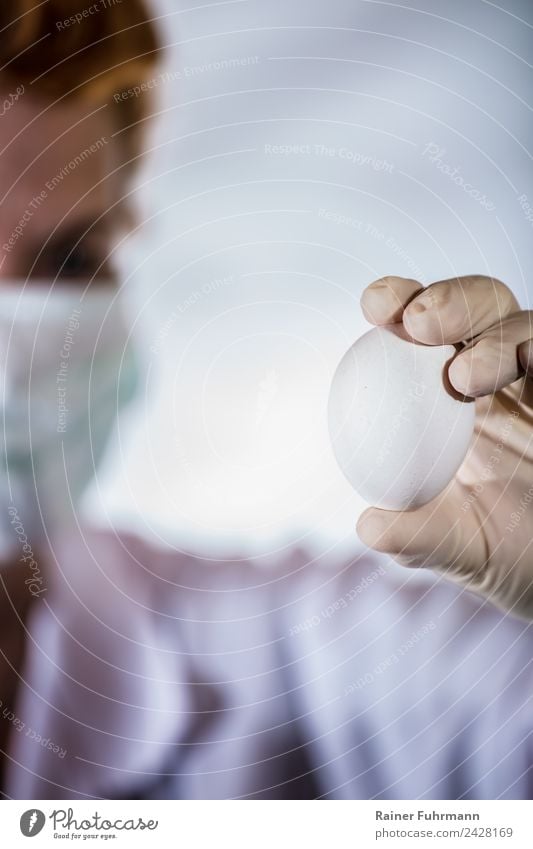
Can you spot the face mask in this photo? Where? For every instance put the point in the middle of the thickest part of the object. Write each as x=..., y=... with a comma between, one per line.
x=66, y=368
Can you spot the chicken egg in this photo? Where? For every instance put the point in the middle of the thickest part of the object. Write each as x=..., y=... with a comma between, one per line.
x=397, y=433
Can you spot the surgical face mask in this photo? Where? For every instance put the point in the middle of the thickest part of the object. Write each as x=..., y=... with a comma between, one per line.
x=66, y=368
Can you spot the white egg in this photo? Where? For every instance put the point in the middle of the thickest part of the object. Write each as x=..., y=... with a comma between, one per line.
x=398, y=434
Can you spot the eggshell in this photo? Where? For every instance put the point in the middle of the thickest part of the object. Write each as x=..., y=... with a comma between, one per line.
x=398, y=435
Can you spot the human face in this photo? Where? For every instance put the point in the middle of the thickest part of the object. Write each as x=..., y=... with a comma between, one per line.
x=58, y=191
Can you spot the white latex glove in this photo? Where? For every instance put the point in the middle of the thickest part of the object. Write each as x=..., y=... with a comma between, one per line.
x=479, y=531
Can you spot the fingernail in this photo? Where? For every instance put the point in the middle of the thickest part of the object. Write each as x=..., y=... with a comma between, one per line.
x=375, y=302
x=371, y=527
x=423, y=302
x=417, y=307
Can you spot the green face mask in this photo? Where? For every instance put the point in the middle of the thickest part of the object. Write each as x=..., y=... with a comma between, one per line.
x=67, y=366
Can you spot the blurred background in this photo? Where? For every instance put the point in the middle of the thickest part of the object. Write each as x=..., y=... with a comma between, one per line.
x=301, y=150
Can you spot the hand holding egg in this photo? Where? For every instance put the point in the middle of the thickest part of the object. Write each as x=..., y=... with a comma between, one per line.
x=479, y=530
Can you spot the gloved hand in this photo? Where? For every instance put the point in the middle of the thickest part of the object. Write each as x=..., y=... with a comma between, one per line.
x=479, y=531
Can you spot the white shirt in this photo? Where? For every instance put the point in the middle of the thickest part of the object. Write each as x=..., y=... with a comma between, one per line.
x=155, y=674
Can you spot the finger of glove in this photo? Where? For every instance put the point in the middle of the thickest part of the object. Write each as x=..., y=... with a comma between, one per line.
x=457, y=310
x=432, y=536
x=497, y=358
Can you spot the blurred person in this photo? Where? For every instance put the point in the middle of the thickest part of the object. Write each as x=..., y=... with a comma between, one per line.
x=129, y=671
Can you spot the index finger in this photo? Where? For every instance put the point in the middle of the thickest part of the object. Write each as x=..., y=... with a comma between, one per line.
x=457, y=310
